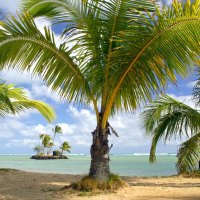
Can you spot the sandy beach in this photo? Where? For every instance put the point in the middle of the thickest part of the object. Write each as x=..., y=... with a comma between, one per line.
x=19, y=185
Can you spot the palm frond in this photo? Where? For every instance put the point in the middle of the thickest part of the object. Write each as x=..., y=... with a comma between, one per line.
x=153, y=47
x=4, y=99
x=46, y=110
x=23, y=44
x=58, y=129
x=14, y=100
x=166, y=118
x=189, y=154
x=59, y=10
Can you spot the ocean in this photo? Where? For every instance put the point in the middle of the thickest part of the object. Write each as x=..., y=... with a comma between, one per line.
x=121, y=164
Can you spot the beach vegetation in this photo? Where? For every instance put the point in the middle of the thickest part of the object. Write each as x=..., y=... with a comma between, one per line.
x=46, y=143
x=166, y=118
x=88, y=184
x=65, y=147
x=39, y=150
x=115, y=55
x=56, y=130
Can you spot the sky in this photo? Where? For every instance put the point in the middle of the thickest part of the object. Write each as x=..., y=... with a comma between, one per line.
x=19, y=134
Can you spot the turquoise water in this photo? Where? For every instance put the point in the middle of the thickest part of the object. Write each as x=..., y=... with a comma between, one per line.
x=124, y=165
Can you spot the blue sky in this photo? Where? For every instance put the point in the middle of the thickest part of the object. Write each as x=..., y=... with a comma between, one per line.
x=19, y=134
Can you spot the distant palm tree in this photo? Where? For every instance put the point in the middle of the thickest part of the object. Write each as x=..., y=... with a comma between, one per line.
x=167, y=118
x=115, y=55
x=46, y=142
x=56, y=130
x=65, y=147
x=14, y=100
x=38, y=149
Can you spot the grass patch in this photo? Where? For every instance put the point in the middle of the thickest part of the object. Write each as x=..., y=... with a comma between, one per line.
x=8, y=170
x=88, y=184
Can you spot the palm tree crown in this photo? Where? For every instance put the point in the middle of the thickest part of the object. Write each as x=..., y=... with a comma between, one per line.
x=57, y=129
x=65, y=147
x=130, y=39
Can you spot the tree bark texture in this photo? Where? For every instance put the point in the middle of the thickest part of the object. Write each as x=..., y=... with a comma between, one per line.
x=99, y=168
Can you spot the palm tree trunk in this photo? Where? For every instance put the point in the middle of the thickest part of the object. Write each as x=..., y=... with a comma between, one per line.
x=99, y=168
x=53, y=140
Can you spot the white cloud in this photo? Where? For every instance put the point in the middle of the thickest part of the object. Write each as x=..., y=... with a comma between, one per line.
x=67, y=129
x=16, y=77
x=9, y=5
x=42, y=91
x=16, y=128
x=191, y=84
x=21, y=143
x=184, y=99
x=37, y=90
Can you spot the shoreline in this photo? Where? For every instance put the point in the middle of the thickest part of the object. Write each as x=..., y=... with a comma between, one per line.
x=78, y=174
x=84, y=174
x=21, y=185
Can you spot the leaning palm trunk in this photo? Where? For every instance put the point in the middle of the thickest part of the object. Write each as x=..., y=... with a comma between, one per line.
x=99, y=168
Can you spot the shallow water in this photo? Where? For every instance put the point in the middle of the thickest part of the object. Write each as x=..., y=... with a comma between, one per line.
x=123, y=164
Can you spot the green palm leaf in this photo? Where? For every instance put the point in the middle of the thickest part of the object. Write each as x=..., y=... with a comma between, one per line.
x=189, y=154
x=13, y=100
x=65, y=147
x=42, y=107
x=58, y=129
x=166, y=118
x=4, y=99
x=28, y=46
x=171, y=38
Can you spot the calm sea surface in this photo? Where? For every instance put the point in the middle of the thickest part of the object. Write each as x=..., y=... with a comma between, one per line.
x=123, y=164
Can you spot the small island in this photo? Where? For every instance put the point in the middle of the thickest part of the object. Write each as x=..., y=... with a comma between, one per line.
x=51, y=157
x=44, y=148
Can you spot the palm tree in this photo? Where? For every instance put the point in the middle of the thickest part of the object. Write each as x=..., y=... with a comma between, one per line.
x=166, y=118
x=65, y=147
x=14, y=100
x=115, y=55
x=56, y=130
x=46, y=142
x=38, y=149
